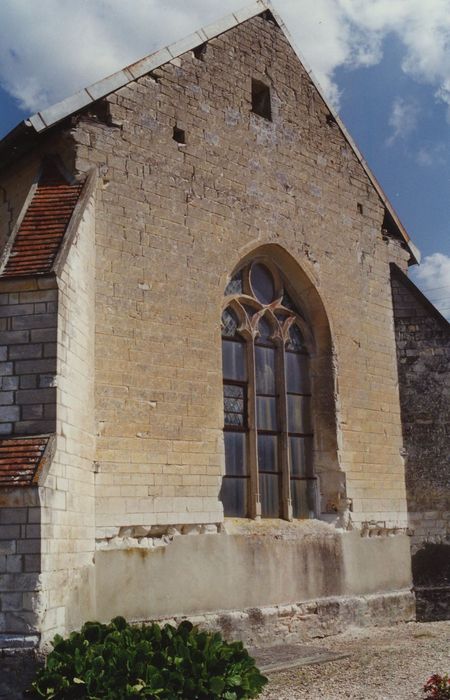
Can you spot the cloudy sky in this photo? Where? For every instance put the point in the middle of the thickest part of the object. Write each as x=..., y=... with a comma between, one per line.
x=385, y=64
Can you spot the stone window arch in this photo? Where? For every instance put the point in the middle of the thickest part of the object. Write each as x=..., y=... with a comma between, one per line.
x=268, y=428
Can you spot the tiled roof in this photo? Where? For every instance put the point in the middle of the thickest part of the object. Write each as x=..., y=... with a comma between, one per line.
x=21, y=460
x=43, y=227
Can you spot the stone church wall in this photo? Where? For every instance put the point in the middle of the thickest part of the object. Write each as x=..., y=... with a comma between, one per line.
x=28, y=319
x=191, y=183
x=173, y=220
x=423, y=350
x=67, y=496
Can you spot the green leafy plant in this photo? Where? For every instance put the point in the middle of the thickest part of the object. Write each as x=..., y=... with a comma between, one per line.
x=437, y=688
x=119, y=661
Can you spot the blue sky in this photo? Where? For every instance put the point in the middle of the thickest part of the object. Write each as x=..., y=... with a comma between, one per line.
x=385, y=64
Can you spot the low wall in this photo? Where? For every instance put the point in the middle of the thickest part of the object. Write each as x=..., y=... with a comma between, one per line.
x=306, y=567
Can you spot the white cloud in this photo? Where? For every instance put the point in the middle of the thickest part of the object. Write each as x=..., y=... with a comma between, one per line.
x=432, y=155
x=433, y=278
x=52, y=48
x=403, y=119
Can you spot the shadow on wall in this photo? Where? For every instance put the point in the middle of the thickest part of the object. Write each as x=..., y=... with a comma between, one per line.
x=431, y=576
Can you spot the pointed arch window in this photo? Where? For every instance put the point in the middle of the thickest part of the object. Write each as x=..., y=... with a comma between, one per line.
x=268, y=431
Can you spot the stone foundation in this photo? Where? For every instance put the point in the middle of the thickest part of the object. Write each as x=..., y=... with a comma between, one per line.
x=256, y=627
x=301, y=622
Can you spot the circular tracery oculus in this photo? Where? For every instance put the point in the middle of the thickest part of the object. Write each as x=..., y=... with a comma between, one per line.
x=262, y=283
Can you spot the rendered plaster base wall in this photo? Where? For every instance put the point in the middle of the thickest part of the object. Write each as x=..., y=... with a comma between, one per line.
x=261, y=587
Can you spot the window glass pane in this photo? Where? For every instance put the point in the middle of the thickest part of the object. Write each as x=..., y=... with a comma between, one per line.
x=262, y=283
x=265, y=330
x=287, y=301
x=234, y=286
x=234, y=405
x=269, y=487
x=267, y=453
x=296, y=341
x=235, y=454
x=299, y=420
x=233, y=495
x=266, y=413
x=297, y=373
x=301, y=453
x=251, y=310
x=229, y=323
x=265, y=370
x=233, y=358
x=303, y=494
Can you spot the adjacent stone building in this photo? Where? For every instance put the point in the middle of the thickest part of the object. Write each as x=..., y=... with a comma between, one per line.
x=423, y=351
x=208, y=180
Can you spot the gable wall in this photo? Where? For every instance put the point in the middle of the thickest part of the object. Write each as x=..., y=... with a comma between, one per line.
x=173, y=221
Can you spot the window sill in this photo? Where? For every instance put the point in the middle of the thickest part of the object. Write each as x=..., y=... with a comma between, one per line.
x=274, y=527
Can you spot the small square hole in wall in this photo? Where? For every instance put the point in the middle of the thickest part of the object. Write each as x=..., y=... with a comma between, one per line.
x=261, y=99
x=360, y=208
x=179, y=135
x=200, y=51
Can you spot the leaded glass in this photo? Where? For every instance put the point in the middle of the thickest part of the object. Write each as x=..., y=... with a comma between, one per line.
x=265, y=331
x=235, y=285
x=284, y=450
x=262, y=283
x=287, y=301
x=229, y=323
x=296, y=341
x=233, y=405
x=250, y=310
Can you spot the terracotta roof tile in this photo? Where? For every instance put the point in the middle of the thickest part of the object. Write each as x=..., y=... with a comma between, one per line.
x=43, y=226
x=21, y=459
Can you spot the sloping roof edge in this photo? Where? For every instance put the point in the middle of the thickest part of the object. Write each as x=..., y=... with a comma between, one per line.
x=41, y=121
x=35, y=243
x=409, y=284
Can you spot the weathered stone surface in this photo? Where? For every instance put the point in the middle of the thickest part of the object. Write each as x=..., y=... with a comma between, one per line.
x=139, y=407
x=27, y=357
x=423, y=352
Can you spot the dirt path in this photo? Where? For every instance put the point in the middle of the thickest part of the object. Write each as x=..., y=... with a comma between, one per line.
x=390, y=663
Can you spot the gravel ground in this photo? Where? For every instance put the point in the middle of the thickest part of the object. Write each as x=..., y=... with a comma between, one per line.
x=389, y=663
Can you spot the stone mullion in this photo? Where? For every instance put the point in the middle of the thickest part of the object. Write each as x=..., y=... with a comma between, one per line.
x=254, y=505
x=283, y=446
